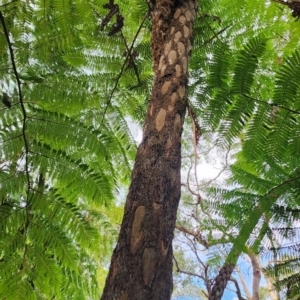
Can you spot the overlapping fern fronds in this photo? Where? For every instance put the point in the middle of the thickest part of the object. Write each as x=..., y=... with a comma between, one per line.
x=266, y=176
x=64, y=146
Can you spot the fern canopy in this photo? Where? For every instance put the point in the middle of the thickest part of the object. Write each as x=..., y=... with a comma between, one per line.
x=64, y=158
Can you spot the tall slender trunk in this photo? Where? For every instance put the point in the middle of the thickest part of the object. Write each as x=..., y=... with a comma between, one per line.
x=256, y=275
x=221, y=282
x=141, y=265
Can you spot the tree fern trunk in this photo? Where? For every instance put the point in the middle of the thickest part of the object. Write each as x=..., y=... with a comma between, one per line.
x=221, y=281
x=141, y=265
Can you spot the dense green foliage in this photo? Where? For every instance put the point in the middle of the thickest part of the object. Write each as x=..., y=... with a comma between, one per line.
x=62, y=160
x=66, y=150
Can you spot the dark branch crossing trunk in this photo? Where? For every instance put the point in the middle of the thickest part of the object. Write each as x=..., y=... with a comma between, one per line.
x=141, y=265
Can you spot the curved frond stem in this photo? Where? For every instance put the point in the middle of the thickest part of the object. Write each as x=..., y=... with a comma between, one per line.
x=122, y=69
x=272, y=104
x=12, y=57
x=243, y=282
x=49, y=121
x=24, y=113
x=6, y=4
x=238, y=290
x=186, y=272
x=12, y=138
x=216, y=35
x=272, y=190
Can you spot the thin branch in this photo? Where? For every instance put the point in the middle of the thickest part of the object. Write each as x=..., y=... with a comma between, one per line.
x=257, y=203
x=196, y=136
x=188, y=184
x=49, y=121
x=122, y=69
x=12, y=57
x=6, y=4
x=216, y=35
x=272, y=104
x=27, y=207
x=196, y=234
x=243, y=282
x=185, y=272
x=238, y=291
x=195, y=250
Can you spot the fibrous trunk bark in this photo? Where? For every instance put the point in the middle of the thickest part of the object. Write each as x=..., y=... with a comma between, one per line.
x=224, y=275
x=221, y=281
x=141, y=265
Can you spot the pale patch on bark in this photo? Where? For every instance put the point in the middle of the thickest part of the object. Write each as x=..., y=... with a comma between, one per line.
x=189, y=46
x=136, y=234
x=115, y=268
x=184, y=64
x=178, y=71
x=172, y=29
x=181, y=91
x=168, y=147
x=177, y=13
x=177, y=123
x=188, y=15
x=174, y=98
x=168, y=47
x=163, y=249
x=160, y=119
x=165, y=87
x=149, y=265
x=161, y=62
x=182, y=20
x=156, y=206
x=186, y=31
x=151, y=110
x=177, y=36
x=163, y=69
x=172, y=56
x=181, y=48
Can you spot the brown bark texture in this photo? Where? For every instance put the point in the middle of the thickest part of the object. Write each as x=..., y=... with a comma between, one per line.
x=141, y=265
x=221, y=282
